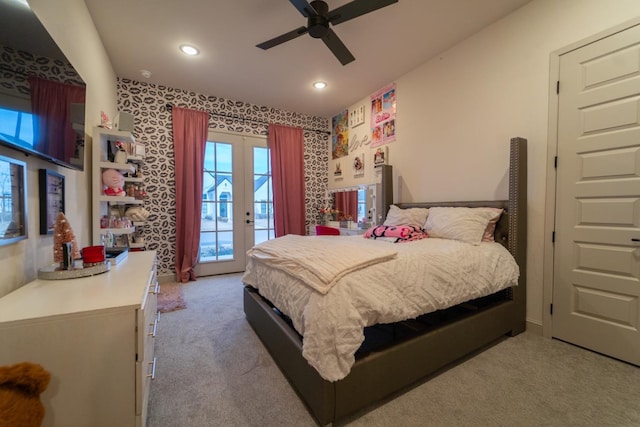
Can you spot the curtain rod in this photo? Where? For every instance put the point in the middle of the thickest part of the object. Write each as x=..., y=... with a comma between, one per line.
x=247, y=119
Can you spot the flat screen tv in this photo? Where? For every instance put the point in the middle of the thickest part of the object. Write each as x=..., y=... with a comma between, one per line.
x=42, y=97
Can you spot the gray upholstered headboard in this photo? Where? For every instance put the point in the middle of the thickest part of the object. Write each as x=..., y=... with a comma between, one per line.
x=511, y=229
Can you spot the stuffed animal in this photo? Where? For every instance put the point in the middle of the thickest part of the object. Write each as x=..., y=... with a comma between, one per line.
x=113, y=182
x=137, y=213
x=20, y=389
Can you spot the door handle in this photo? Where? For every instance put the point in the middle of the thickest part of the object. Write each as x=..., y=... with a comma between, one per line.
x=249, y=221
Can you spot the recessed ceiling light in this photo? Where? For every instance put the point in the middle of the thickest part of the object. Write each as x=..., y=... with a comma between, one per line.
x=189, y=50
x=319, y=85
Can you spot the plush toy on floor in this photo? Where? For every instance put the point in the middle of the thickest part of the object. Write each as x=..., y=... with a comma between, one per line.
x=20, y=389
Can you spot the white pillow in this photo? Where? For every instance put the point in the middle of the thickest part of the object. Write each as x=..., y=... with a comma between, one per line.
x=464, y=224
x=411, y=216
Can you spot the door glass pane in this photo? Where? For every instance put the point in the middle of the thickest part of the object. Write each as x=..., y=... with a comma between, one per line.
x=216, y=227
x=225, y=245
x=223, y=157
x=262, y=195
x=208, y=217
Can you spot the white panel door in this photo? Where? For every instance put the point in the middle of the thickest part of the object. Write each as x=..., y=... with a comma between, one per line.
x=596, y=293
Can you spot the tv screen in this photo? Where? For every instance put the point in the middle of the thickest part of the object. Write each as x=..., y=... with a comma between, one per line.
x=42, y=96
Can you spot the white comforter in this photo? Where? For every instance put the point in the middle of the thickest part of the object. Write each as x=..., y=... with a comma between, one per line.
x=425, y=276
x=317, y=263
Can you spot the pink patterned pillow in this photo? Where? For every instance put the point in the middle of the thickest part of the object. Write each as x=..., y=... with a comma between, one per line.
x=396, y=233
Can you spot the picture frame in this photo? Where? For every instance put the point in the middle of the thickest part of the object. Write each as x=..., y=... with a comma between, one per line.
x=381, y=156
x=13, y=192
x=356, y=116
x=358, y=166
x=52, y=197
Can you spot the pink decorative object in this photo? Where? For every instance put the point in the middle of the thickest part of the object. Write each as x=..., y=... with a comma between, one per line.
x=113, y=182
x=104, y=120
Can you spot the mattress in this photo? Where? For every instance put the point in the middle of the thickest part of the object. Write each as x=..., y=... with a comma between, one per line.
x=425, y=276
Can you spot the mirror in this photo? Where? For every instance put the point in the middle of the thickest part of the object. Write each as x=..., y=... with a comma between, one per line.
x=13, y=208
x=355, y=204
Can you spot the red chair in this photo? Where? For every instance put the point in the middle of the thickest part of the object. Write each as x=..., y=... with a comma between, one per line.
x=323, y=230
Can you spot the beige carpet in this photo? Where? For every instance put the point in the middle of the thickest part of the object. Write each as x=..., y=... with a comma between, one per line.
x=171, y=298
x=212, y=370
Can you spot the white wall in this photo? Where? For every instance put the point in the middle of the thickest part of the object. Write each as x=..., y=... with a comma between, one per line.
x=457, y=113
x=70, y=25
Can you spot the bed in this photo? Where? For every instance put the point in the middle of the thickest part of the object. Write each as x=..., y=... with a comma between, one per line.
x=395, y=356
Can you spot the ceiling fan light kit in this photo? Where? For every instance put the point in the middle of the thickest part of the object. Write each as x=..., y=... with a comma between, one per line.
x=319, y=19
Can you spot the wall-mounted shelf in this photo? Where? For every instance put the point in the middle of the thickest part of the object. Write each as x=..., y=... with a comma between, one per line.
x=133, y=179
x=117, y=199
x=118, y=231
x=104, y=205
x=126, y=167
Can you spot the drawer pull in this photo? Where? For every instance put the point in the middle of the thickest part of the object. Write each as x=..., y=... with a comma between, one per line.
x=152, y=375
x=153, y=331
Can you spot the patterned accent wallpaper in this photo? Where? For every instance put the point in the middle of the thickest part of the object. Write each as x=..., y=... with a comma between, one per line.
x=147, y=102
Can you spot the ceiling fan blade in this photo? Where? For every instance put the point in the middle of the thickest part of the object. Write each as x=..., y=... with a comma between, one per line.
x=356, y=8
x=338, y=48
x=304, y=8
x=282, y=38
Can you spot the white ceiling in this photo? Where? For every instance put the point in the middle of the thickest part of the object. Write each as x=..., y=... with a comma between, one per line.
x=387, y=43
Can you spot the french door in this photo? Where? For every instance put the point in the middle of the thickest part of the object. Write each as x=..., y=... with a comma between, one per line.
x=237, y=202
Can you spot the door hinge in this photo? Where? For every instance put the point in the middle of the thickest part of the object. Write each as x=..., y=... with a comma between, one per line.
x=551, y=309
x=555, y=162
x=558, y=87
x=553, y=236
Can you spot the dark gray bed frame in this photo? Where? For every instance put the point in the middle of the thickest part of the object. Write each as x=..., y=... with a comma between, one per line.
x=381, y=374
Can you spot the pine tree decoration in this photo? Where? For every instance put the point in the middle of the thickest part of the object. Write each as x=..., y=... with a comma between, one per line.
x=62, y=233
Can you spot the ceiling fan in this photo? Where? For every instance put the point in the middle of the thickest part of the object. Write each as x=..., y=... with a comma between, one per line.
x=318, y=19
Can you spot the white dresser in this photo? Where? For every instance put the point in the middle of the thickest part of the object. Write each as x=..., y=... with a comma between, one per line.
x=95, y=335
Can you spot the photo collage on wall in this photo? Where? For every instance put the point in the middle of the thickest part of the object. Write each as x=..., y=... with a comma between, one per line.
x=383, y=116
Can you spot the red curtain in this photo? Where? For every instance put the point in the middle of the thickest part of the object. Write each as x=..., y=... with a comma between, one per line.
x=189, y=142
x=346, y=202
x=286, y=145
x=51, y=106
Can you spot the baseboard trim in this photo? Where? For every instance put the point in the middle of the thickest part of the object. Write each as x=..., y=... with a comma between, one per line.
x=166, y=278
x=535, y=328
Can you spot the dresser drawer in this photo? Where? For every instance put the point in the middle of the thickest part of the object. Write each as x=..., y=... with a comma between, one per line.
x=148, y=317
